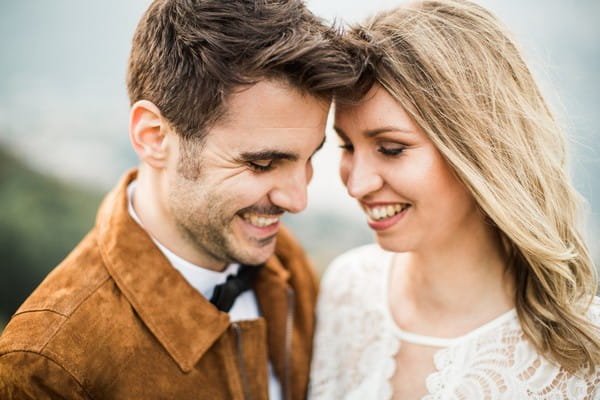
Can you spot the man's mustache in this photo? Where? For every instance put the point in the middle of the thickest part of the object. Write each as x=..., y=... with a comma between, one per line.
x=263, y=209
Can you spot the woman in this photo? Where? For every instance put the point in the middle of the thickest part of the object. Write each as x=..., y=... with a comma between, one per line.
x=481, y=286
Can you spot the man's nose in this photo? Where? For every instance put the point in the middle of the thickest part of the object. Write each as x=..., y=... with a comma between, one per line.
x=290, y=192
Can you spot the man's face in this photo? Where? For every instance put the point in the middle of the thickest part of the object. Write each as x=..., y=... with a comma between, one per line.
x=226, y=195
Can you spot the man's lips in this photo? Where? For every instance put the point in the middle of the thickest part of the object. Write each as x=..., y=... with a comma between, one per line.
x=261, y=220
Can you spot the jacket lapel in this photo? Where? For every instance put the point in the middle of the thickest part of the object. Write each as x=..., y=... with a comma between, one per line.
x=182, y=320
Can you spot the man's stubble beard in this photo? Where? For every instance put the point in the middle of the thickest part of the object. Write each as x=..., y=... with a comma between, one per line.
x=207, y=227
x=210, y=236
x=202, y=236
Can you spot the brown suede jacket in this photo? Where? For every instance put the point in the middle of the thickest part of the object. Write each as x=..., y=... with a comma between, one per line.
x=116, y=321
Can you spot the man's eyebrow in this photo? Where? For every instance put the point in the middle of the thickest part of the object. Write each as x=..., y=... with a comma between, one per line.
x=273, y=154
x=267, y=155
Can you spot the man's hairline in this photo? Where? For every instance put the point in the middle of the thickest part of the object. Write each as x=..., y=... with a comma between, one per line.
x=223, y=116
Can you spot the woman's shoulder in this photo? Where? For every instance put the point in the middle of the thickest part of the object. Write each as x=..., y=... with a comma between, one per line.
x=358, y=259
x=356, y=269
x=360, y=255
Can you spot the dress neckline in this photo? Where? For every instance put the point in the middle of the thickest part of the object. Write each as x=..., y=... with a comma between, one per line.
x=416, y=338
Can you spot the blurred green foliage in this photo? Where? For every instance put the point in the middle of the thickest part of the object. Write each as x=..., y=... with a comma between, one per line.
x=41, y=220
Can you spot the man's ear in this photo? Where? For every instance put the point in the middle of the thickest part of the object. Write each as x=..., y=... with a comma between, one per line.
x=147, y=132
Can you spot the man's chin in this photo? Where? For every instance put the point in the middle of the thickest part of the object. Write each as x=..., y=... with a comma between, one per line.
x=254, y=245
x=258, y=252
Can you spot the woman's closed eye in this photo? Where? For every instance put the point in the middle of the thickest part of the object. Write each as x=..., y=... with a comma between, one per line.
x=391, y=149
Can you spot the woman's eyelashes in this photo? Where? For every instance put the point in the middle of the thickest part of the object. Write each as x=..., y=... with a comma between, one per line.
x=387, y=149
x=391, y=149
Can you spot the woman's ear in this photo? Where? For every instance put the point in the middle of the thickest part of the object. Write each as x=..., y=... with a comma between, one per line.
x=147, y=132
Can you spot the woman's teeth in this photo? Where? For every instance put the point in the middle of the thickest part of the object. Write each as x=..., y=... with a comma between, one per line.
x=382, y=212
x=260, y=221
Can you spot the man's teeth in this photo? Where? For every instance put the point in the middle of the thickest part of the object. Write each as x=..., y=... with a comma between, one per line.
x=382, y=212
x=260, y=221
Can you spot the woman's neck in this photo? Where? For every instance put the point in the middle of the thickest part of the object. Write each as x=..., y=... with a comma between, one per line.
x=450, y=290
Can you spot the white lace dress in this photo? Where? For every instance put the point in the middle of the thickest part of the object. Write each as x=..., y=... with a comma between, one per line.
x=357, y=339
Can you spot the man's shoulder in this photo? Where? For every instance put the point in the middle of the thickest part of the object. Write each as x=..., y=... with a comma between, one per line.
x=291, y=255
x=288, y=248
x=57, y=301
x=302, y=276
x=74, y=322
x=71, y=282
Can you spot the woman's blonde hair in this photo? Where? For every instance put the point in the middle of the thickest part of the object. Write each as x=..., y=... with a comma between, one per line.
x=454, y=69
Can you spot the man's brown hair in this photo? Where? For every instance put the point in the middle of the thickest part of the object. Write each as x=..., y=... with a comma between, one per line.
x=187, y=55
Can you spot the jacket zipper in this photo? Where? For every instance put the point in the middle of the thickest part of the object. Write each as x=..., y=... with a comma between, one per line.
x=289, y=326
x=240, y=359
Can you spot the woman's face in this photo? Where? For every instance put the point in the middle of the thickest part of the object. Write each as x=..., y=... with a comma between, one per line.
x=410, y=195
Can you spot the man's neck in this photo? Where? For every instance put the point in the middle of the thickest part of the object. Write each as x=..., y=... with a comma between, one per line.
x=156, y=219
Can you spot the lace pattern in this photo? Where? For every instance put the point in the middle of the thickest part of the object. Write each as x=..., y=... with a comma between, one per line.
x=356, y=342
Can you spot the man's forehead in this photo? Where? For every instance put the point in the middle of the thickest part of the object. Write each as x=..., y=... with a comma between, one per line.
x=271, y=104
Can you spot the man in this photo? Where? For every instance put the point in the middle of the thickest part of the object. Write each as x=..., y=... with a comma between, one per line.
x=229, y=103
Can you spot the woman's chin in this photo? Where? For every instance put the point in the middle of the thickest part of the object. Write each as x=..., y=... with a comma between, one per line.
x=393, y=243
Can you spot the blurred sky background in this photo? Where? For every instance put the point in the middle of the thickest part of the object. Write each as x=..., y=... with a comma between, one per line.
x=64, y=108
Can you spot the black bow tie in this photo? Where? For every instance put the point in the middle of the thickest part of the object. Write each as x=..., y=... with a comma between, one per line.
x=225, y=294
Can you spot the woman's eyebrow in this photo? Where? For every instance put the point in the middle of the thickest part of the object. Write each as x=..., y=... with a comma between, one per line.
x=384, y=129
x=375, y=131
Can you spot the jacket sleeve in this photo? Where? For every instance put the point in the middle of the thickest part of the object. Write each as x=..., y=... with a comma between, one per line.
x=29, y=375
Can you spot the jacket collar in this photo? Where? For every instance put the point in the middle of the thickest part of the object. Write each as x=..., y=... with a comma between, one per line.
x=182, y=320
